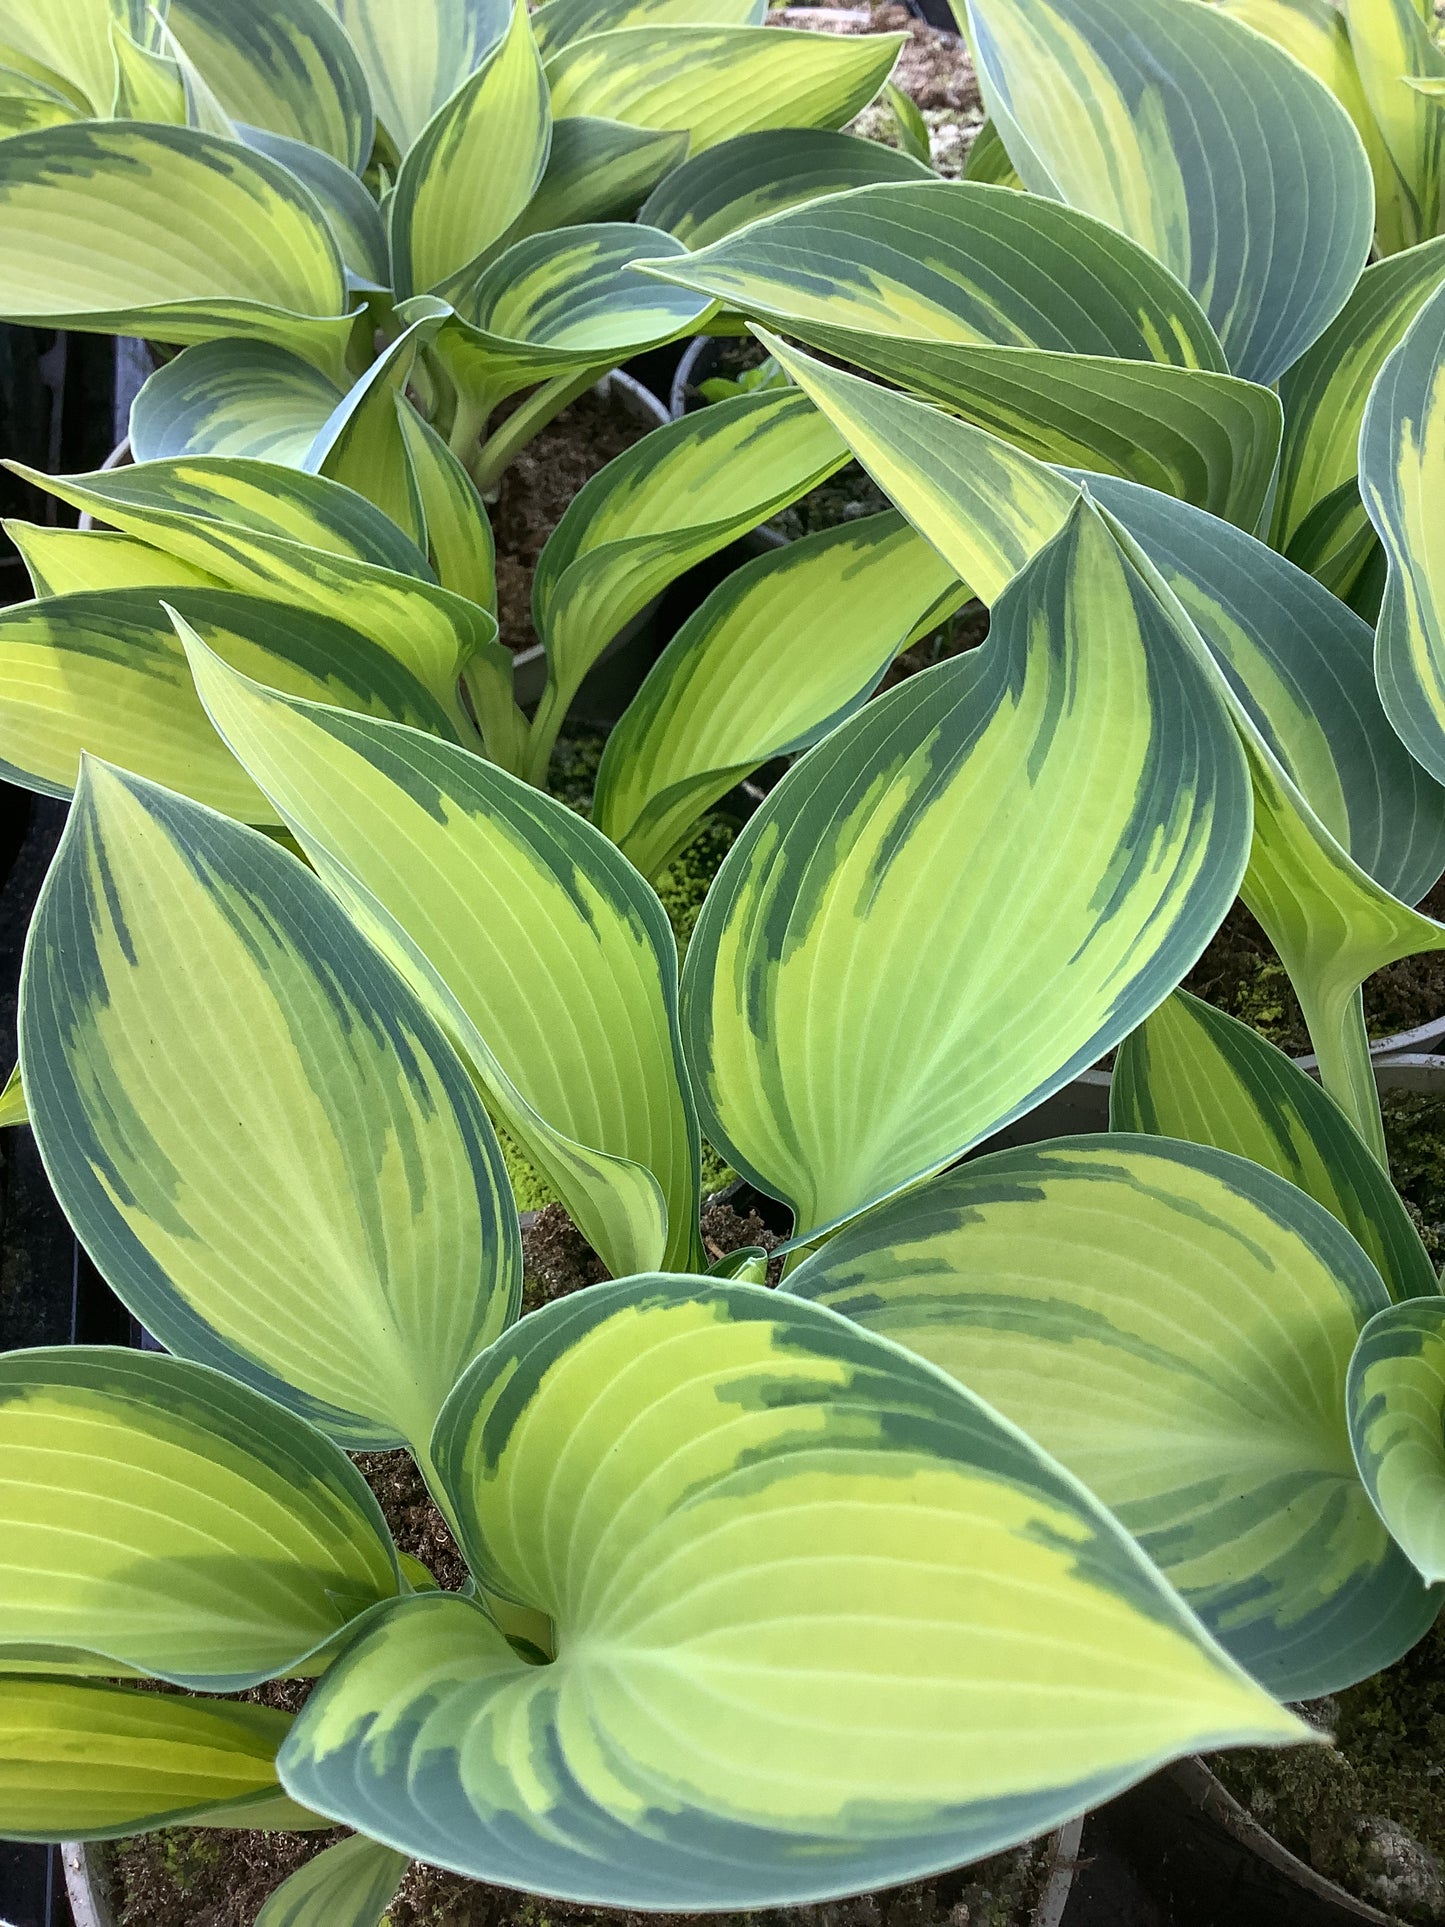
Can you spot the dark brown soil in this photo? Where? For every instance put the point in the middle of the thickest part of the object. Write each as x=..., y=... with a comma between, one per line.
x=933, y=69
x=205, y=1877
x=536, y=489
x=1367, y=1812
x=415, y=1523
x=556, y=1259
x=1241, y=974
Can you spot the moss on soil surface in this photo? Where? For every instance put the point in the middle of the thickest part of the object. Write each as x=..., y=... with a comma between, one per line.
x=1367, y=1812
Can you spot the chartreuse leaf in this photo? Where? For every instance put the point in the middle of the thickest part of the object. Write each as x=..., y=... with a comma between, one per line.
x=106, y=673
x=1349, y=832
x=752, y=175
x=540, y=947
x=12, y=1101
x=416, y=57
x=247, y=398
x=1392, y=44
x=563, y=304
x=1174, y=1325
x=1401, y=445
x=85, y=1761
x=808, y=631
x=352, y=215
x=149, y=85
x=559, y=22
x=1031, y=320
x=361, y=443
x=286, y=66
x=668, y=502
x=988, y=162
x=120, y=227
x=27, y=105
x=1198, y=138
x=1319, y=519
x=174, y=952
x=162, y=1517
x=881, y=916
x=1397, y=1423
x=720, y=81
x=350, y=1885
x=1314, y=31
x=598, y=170
x=1192, y=1072
x=302, y=539
x=473, y=168
x=458, y=534
x=67, y=45
x=983, y=504
x=711, y=1489
x=64, y=561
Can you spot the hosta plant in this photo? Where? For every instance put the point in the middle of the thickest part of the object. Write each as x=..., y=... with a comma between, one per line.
x=375, y=224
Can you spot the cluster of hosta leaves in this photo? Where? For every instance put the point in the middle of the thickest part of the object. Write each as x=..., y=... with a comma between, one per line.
x=1038, y=1469
x=333, y=200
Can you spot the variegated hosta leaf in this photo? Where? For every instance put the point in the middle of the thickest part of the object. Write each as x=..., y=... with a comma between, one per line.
x=668, y=502
x=988, y=162
x=1397, y=1424
x=266, y=1144
x=350, y=1885
x=807, y=631
x=559, y=304
x=458, y=534
x=361, y=444
x=752, y=175
x=1401, y=446
x=83, y=1761
x=352, y=215
x=597, y=170
x=1391, y=41
x=1314, y=31
x=1191, y=1072
x=286, y=66
x=539, y=946
x=25, y=106
x=12, y=1101
x=66, y=42
x=63, y=561
x=416, y=57
x=1319, y=519
x=559, y=22
x=1174, y=1325
x=712, y=1490
x=1349, y=831
x=247, y=398
x=119, y=227
x=106, y=673
x=1031, y=320
x=892, y=965
x=301, y=539
x=1199, y=138
x=160, y=1517
x=987, y=507
x=149, y=85
x=720, y=81
x=473, y=168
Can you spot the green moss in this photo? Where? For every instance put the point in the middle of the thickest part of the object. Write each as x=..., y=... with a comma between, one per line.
x=688, y=878
x=1415, y=1137
x=531, y=1189
x=186, y=1855
x=1326, y=1804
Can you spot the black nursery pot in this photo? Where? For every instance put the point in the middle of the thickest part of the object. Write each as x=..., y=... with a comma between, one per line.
x=1209, y=1864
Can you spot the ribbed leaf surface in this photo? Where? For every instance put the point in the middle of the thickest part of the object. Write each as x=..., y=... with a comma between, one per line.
x=711, y=1490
